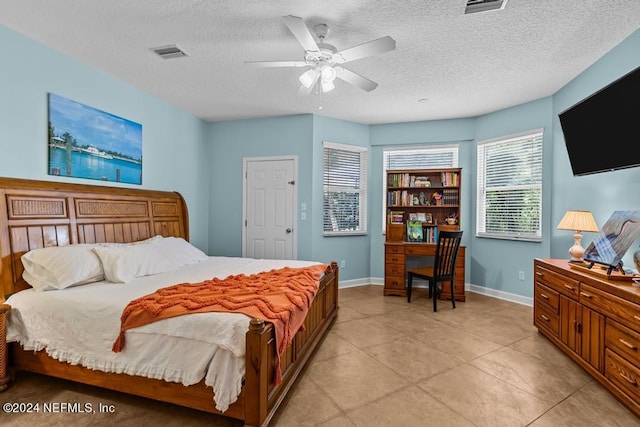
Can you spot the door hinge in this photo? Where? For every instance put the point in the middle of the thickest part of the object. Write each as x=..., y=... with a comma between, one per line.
x=292, y=182
x=245, y=222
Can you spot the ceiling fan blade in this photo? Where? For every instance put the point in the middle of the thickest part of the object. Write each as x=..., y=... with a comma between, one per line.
x=265, y=64
x=373, y=47
x=355, y=79
x=301, y=32
x=303, y=90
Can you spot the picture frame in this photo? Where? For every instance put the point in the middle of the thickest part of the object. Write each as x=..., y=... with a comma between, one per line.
x=614, y=239
x=396, y=217
x=84, y=142
x=414, y=216
x=428, y=218
x=421, y=216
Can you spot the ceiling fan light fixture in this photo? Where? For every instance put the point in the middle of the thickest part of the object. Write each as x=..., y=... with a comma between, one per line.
x=329, y=74
x=308, y=78
x=327, y=86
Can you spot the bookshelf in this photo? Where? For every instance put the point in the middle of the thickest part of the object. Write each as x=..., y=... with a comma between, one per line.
x=428, y=196
x=420, y=203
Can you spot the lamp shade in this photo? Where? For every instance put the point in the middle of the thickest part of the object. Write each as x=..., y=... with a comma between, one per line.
x=578, y=221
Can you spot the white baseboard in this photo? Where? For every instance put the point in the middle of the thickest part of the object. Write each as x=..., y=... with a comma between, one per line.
x=482, y=290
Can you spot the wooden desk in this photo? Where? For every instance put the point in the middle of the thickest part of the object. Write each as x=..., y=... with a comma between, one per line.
x=395, y=254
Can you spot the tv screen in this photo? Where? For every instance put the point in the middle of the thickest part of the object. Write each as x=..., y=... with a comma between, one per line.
x=602, y=132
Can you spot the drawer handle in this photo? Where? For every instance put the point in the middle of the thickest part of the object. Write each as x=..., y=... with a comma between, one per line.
x=636, y=317
x=571, y=288
x=539, y=274
x=628, y=344
x=544, y=296
x=544, y=317
x=629, y=380
x=586, y=295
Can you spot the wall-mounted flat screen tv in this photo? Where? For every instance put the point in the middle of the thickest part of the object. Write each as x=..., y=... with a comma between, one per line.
x=602, y=132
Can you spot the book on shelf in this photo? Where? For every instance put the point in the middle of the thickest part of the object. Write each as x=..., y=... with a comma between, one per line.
x=414, y=231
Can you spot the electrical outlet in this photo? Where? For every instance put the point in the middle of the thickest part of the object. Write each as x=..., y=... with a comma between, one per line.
x=521, y=275
x=303, y=216
x=343, y=264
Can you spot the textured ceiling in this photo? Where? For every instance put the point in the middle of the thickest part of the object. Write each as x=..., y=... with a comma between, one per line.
x=464, y=65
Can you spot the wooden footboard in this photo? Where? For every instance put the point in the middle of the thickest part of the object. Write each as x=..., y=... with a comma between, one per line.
x=37, y=214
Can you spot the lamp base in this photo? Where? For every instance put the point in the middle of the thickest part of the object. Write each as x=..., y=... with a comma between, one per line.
x=576, y=251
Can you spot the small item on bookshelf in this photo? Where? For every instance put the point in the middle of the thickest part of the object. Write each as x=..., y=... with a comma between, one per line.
x=414, y=231
x=422, y=216
x=414, y=216
x=428, y=218
x=397, y=217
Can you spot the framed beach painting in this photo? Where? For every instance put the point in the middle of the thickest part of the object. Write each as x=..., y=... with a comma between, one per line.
x=85, y=142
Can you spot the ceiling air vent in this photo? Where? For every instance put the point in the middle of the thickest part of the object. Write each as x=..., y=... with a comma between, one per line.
x=167, y=52
x=475, y=6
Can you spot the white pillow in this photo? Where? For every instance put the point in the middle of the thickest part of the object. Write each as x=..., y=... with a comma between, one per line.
x=59, y=267
x=122, y=264
x=180, y=251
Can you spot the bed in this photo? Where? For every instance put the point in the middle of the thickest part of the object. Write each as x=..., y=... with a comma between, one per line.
x=37, y=214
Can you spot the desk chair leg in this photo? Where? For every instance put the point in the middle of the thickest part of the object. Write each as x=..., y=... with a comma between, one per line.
x=435, y=294
x=409, y=285
x=453, y=299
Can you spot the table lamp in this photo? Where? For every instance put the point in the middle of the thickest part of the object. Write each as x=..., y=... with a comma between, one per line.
x=578, y=221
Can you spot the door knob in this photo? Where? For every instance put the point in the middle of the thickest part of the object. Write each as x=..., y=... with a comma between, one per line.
x=289, y=230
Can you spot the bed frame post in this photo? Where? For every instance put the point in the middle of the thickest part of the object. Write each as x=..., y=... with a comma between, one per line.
x=4, y=357
x=256, y=370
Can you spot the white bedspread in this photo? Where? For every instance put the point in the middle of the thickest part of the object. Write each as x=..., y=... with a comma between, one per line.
x=79, y=325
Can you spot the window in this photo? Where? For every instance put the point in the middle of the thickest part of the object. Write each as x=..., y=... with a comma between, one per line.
x=510, y=187
x=432, y=157
x=345, y=189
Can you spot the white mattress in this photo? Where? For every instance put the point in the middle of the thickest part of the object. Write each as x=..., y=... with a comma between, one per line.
x=79, y=325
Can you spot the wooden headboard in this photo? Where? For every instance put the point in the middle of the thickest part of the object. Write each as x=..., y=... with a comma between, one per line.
x=36, y=214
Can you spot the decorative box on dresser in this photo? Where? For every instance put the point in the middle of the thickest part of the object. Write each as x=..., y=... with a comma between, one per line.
x=595, y=320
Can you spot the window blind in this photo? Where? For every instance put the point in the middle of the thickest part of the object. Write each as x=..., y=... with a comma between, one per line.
x=345, y=189
x=509, y=193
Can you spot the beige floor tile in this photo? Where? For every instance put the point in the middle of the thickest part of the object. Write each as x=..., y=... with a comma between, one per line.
x=504, y=326
x=346, y=313
x=550, y=380
x=591, y=406
x=339, y=421
x=456, y=342
x=355, y=293
x=413, y=359
x=305, y=405
x=332, y=346
x=354, y=379
x=375, y=305
x=409, y=407
x=408, y=321
x=365, y=332
x=483, y=398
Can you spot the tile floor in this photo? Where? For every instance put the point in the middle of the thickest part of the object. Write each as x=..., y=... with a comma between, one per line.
x=389, y=363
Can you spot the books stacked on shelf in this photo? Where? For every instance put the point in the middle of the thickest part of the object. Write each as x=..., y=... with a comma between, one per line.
x=420, y=181
x=430, y=234
x=450, y=179
x=407, y=180
x=396, y=217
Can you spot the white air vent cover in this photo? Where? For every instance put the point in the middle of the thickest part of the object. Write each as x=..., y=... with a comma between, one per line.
x=167, y=52
x=475, y=6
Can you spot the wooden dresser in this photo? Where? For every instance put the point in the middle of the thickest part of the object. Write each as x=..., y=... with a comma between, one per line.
x=395, y=255
x=594, y=320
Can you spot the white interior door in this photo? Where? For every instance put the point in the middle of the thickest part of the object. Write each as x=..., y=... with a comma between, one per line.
x=270, y=206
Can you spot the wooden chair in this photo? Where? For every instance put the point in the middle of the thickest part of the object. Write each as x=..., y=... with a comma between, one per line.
x=443, y=268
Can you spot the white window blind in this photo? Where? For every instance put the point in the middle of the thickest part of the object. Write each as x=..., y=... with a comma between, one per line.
x=345, y=189
x=509, y=198
x=432, y=157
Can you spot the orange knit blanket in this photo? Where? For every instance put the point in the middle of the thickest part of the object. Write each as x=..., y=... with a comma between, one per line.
x=281, y=297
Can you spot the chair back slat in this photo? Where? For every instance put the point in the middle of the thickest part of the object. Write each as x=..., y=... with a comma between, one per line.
x=446, y=253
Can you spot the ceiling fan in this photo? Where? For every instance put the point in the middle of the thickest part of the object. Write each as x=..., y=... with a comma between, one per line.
x=324, y=60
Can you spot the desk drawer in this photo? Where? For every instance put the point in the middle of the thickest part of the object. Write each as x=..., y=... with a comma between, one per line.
x=420, y=250
x=564, y=285
x=394, y=282
x=394, y=259
x=623, y=341
x=625, y=312
x=393, y=249
x=394, y=269
x=623, y=374
x=547, y=297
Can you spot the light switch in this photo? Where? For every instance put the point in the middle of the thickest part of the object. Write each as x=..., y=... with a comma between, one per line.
x=303, y=216
x=303, y=207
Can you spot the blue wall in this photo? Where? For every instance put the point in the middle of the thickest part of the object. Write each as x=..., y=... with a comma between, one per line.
x=173, y=140
x=203, y=160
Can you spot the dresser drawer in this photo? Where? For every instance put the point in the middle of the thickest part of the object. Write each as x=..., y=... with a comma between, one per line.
x=547, y=297
x=625, y=312
x=622, y=374
x=623, y=341
x=394, y=270
x=545, y=319
x=393, y=249
x=394, y=259
x=564, y=285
